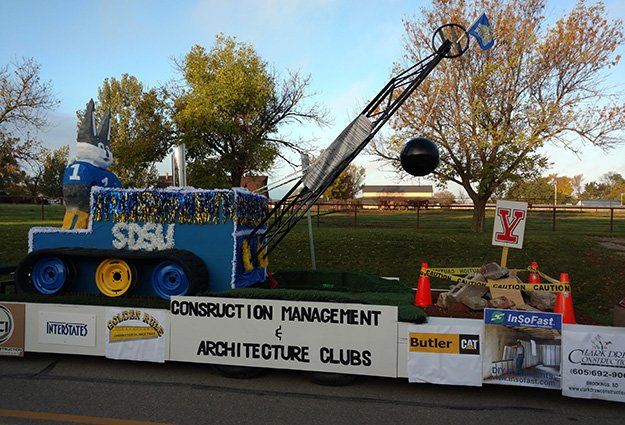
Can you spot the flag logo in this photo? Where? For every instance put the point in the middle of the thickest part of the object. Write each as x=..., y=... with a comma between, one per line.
x=482, y=32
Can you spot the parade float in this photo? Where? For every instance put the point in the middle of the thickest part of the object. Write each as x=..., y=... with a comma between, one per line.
x=203, y=255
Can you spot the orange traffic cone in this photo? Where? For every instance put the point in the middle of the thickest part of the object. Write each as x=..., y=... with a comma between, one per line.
x=534, y=277
x=423, y=298
x=564, y=303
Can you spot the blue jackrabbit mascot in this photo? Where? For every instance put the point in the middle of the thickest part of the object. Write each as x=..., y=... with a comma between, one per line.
x=93, y=155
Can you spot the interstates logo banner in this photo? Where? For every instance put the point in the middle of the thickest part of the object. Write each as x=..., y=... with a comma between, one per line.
x=525, y=319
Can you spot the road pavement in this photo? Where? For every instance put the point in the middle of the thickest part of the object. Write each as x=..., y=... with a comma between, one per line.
x=66, y=389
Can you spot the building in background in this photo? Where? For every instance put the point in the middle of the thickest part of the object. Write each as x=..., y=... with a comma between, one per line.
x=396, y=196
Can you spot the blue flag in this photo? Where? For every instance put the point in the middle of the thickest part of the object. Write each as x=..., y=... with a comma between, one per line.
x=482, y=32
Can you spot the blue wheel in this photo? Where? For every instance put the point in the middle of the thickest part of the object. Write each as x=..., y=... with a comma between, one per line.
x=49, y=275
x=170, y=279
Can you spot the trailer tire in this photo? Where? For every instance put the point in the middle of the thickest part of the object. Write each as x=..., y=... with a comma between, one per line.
x=238, y=372
x=330, y=379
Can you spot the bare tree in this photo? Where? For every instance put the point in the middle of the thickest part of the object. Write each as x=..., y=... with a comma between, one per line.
x=490, y=112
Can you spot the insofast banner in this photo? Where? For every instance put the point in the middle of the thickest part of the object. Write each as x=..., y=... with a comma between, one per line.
x=522, y=348
x=593, y=362
x=445, y=354
x=345, y=338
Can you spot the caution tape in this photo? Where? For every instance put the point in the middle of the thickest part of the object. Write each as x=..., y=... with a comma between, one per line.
x=449, y=274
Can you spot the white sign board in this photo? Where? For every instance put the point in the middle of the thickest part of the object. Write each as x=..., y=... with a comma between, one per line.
x=593, y=362
x=509, y=227
x=445, y=354
x=67, y=328
x=64, y=328
x=136, y=334
x=329, y=337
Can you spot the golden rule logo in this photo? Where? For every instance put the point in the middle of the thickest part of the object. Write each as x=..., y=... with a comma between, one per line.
x=444, y=343
x=131, y=330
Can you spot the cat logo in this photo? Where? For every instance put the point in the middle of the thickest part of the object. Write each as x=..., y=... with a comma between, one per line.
x=469, y=344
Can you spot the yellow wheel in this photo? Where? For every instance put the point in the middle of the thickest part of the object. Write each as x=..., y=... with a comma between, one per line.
x=114, y=277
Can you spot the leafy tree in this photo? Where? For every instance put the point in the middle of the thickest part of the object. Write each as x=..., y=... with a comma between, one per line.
x=491, y=111
x=141, y=132
x=24, y=102
x=609, y=187
x=562, y=188
x=54, y=165
x=230, y=111
x=11, y=174
x=537, y=190
x=347, y=184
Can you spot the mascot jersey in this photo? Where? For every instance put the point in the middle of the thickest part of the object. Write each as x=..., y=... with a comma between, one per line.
x=85, y=174
x=77, y=182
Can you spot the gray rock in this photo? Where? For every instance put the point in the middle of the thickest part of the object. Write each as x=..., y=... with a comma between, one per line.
x=462, y=291
x=501, y=302
x=475, y=302
x=543, y=301
x=493, y=271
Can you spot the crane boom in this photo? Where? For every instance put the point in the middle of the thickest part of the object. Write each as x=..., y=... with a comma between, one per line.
x=302, y=196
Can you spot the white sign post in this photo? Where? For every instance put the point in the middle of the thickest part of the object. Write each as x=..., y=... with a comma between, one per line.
x=509, y=226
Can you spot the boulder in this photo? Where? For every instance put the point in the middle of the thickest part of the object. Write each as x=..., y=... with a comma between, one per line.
x=493, y=271
x=501, y=302
x=475, y=302
x=462, y=291
x=543, y=301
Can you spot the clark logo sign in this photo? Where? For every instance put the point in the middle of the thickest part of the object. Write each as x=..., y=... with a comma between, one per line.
x=444, y=343
x=509, y=226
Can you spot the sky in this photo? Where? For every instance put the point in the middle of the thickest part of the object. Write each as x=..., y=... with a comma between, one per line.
x=347, y=47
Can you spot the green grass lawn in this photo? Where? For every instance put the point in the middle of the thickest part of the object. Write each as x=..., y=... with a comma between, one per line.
x=390, y=244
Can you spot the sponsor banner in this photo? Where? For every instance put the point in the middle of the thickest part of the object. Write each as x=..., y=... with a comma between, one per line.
x=12, y=329
x=136, y=334
x=67, y=328
x=522, y=348
x=73, y=329
x=330, y=337
x=509, y=224
x=445, y=354
x=593, y=362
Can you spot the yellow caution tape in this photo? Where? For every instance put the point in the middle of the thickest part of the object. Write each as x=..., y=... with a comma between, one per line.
x=449, y=274
x=457, y=270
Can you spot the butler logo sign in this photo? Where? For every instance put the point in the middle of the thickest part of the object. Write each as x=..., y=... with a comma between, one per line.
x=509, y=228
x=444, y=343
x=445, y=354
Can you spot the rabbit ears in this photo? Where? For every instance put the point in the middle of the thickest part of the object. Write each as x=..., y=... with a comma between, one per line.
x=87, y=132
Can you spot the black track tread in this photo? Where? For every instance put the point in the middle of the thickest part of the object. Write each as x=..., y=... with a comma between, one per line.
x=193, y=265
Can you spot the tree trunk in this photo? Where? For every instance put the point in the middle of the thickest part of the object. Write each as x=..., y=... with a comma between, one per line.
x=235, y=178
x=479, y=214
